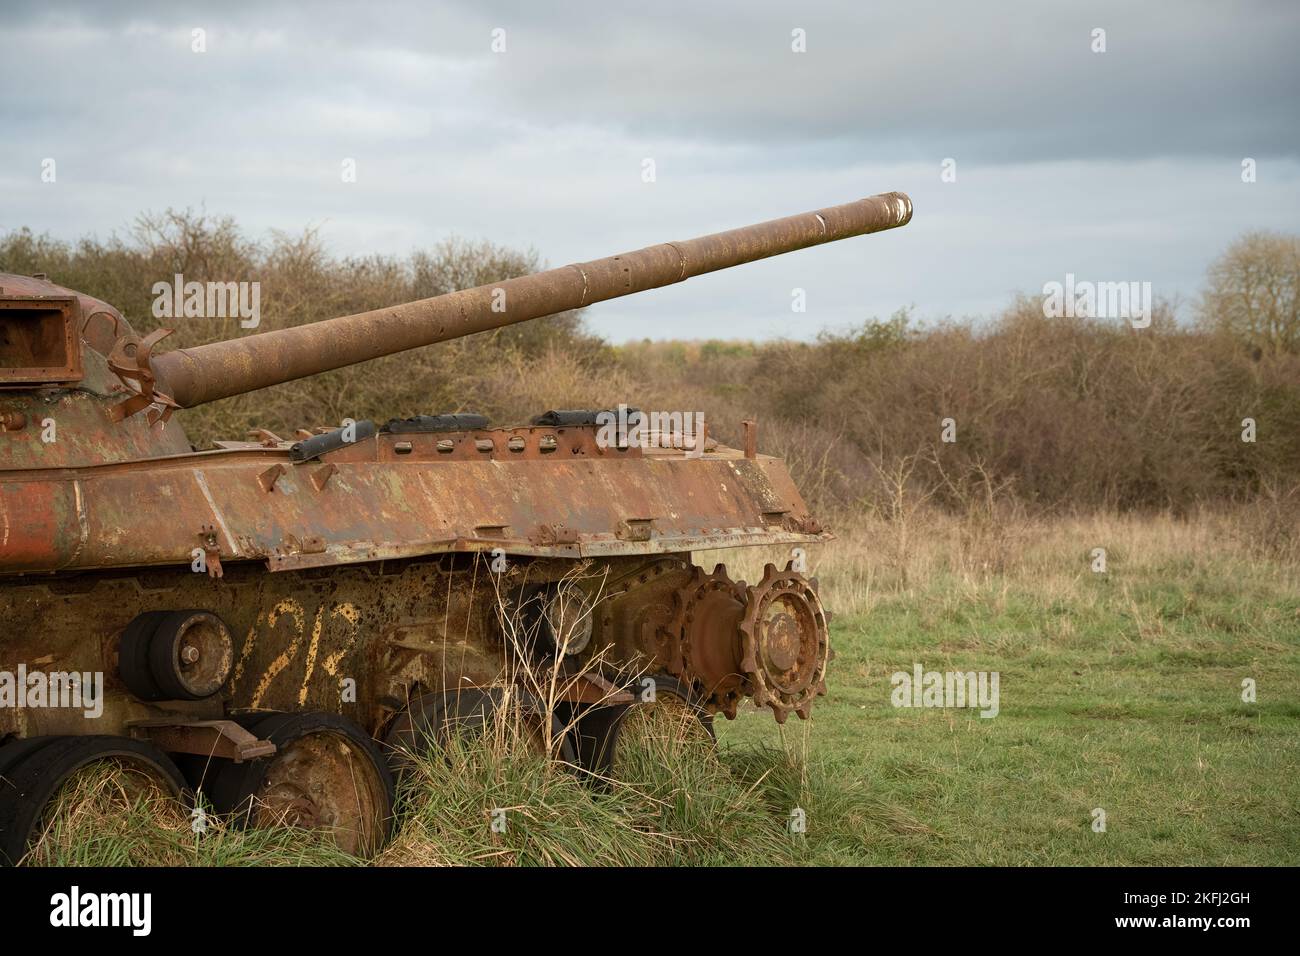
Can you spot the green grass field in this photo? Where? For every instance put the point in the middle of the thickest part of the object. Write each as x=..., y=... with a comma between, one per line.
x=1119, y=691
x=1129, y=702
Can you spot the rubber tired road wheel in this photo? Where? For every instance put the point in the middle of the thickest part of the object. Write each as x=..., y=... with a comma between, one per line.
x=175, y=655
x=326, y=774
x=40, y=771
x=191, y=654
x=17, y=750
x=432, y=718
x=133, y=655
x=612, y=740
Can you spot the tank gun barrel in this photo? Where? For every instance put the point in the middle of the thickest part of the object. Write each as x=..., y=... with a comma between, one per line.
x=193, y=376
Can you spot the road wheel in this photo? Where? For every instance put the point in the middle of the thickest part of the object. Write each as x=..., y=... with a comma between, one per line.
x=133, y=656
x=666, y=723
x=36, y=771
x=17, y=750
x=175, y=655
x=326, y=774
x=435, y=717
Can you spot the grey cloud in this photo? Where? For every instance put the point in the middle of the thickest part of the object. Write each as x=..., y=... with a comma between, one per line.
x=1010, y=82
x=1120, y=164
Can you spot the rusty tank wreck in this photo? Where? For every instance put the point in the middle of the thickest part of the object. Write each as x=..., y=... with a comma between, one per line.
x=273, y=623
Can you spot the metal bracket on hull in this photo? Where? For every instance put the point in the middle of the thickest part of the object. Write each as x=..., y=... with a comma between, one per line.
x=207, y=738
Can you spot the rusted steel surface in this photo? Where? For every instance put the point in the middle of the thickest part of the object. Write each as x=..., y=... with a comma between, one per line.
x=78, y=404
x=39, y=339
x=96, y=322
x=374, y=503
x=206, y=373
x=206, y=738
x=85, y=436
x=389, y=627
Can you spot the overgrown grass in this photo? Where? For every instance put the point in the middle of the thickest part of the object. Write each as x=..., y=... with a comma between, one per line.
x=109, y=817
x=696, y=807
x=1119, y=691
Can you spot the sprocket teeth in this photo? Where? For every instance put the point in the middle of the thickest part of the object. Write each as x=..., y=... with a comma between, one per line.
x=753, y=682
x=790, y=586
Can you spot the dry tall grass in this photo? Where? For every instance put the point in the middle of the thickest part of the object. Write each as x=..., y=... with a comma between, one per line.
x=932, y=551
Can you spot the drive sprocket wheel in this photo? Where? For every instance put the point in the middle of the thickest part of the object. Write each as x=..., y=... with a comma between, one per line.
x=785, y=642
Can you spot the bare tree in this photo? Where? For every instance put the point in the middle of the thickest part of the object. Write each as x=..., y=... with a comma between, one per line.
x=1253, y=293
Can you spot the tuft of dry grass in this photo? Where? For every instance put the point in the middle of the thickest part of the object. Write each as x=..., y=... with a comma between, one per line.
x=110, y=815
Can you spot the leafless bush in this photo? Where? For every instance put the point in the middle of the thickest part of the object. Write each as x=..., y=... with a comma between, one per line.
x=1270, y=525
x=993, y=519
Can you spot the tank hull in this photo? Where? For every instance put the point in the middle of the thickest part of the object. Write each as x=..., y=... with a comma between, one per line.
x=357, y=640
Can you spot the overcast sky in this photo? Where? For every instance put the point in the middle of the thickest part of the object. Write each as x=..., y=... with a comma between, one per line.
x=1119, y=165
